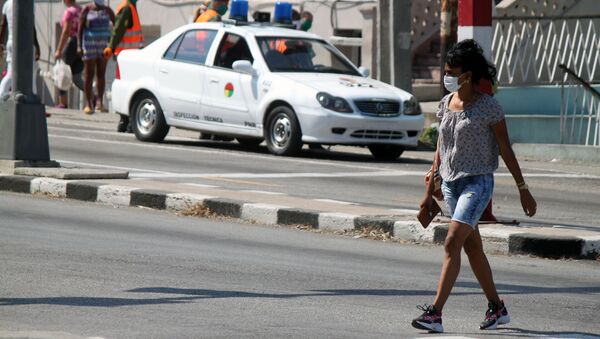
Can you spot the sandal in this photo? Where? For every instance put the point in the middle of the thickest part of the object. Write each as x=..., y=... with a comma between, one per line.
x=88, y=110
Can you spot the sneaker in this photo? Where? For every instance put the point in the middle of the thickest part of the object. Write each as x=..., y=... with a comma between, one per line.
x=430, y=320
x=494, y=316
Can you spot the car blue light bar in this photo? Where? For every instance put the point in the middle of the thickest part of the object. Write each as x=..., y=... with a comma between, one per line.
x=239, y=10
x=283, y=12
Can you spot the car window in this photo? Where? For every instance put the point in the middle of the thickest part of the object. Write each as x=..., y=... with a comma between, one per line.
x=287, y=54
x=233, y=47
x=170, y=53
x=193, y=46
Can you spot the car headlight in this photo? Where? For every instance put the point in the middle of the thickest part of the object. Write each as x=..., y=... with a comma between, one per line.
x=336, y=104
x=412, y=107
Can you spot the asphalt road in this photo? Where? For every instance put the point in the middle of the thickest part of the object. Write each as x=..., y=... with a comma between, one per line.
x=567, y=193
x=71, y=269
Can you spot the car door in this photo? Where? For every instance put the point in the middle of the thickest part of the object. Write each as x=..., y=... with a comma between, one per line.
x=181, y=74
x=225, y=100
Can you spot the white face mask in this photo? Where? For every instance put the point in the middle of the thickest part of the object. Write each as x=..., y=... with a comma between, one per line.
x=451, y=83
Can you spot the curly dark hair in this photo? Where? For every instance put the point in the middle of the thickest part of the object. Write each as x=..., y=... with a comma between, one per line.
x=468, y=55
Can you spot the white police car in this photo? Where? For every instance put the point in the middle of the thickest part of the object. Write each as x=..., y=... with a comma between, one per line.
x=256, y=83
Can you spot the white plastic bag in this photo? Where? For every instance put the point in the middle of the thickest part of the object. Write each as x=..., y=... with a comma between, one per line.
x=62, y=75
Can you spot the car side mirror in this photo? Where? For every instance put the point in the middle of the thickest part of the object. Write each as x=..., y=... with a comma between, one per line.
x=364, y=71
x=243, y=66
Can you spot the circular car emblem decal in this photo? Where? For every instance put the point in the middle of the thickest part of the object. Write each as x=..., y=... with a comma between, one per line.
x=229, y=89
x=379, y=107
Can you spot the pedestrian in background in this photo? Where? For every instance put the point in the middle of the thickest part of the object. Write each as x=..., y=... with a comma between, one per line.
x=6, y=27
x=67, y=48
x=94, y=32
x=216, y=9
x=126, y=34
x=214, y=13
x=306, y=20
x=200, y=10
x=473, y=133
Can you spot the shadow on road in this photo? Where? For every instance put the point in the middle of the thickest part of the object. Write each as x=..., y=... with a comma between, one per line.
x=524, y=289
x=91, y=301
x=514, y=332
x=188, y=295
x=206, y=293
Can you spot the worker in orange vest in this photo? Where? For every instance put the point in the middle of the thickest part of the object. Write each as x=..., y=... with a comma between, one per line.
x=215, y=11
x=127, y=34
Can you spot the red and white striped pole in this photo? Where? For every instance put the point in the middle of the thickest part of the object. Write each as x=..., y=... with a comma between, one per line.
x=475, y=22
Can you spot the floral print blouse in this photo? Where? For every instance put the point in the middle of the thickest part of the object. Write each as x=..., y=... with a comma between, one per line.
x=467, y=145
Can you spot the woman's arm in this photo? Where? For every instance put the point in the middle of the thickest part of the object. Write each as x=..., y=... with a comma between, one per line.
x=501, y=134
x=63, y=39
x=430, y=186
x=111, y=15
x=82, y=22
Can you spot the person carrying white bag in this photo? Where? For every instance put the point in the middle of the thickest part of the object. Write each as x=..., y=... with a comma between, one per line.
x=63, y=78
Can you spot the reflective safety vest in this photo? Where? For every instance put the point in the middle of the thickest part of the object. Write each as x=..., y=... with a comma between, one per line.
x=209, y=16
x=278, y=45
x=133, y=37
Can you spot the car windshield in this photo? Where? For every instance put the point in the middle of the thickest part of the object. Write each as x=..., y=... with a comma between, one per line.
x=285, y=54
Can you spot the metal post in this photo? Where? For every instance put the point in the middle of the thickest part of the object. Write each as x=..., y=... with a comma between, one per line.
x=401, y=50
x=23, y=51
x=23, y=130
x=384, y=72
x=448, y=25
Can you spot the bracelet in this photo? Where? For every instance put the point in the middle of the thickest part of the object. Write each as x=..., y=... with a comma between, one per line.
x=523, y=186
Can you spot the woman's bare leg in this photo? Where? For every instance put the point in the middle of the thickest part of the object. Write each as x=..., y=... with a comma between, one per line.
x=480, y=266
x=89, y=70
x=457, y=234
x=100, y=80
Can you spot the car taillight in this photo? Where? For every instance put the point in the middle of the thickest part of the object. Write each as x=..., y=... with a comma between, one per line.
x=117, y=72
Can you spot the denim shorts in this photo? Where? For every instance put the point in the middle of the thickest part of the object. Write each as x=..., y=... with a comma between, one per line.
x=468, y=197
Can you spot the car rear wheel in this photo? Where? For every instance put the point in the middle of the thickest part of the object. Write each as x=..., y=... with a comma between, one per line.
x=386, y=152
x=282, y=132
x=249, y=142
x=148, y=120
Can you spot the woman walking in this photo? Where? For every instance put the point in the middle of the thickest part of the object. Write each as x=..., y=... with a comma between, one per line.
x=67, y=47
x=473, y=132
x=94, y=33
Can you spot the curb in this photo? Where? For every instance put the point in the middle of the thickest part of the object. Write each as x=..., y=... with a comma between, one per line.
x=498, y=240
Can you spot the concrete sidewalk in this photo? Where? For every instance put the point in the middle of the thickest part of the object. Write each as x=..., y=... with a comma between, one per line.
x=287, y=210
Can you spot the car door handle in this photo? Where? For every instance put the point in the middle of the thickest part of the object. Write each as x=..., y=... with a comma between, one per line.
x=214, y=81
x=163, y=70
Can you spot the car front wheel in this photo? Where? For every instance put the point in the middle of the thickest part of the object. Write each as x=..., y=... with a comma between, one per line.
x=386, y=152
x=148, y=122
x=282, y=132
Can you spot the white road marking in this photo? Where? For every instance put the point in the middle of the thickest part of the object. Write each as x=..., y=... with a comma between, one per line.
x=252, y=156
x=336, y=201
x=201, y=185
x=404, y=211
x=159, y=175
x=141, y=173
x=276, y=175
x=263, y=192
x=147, y=173
x=112, y=166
